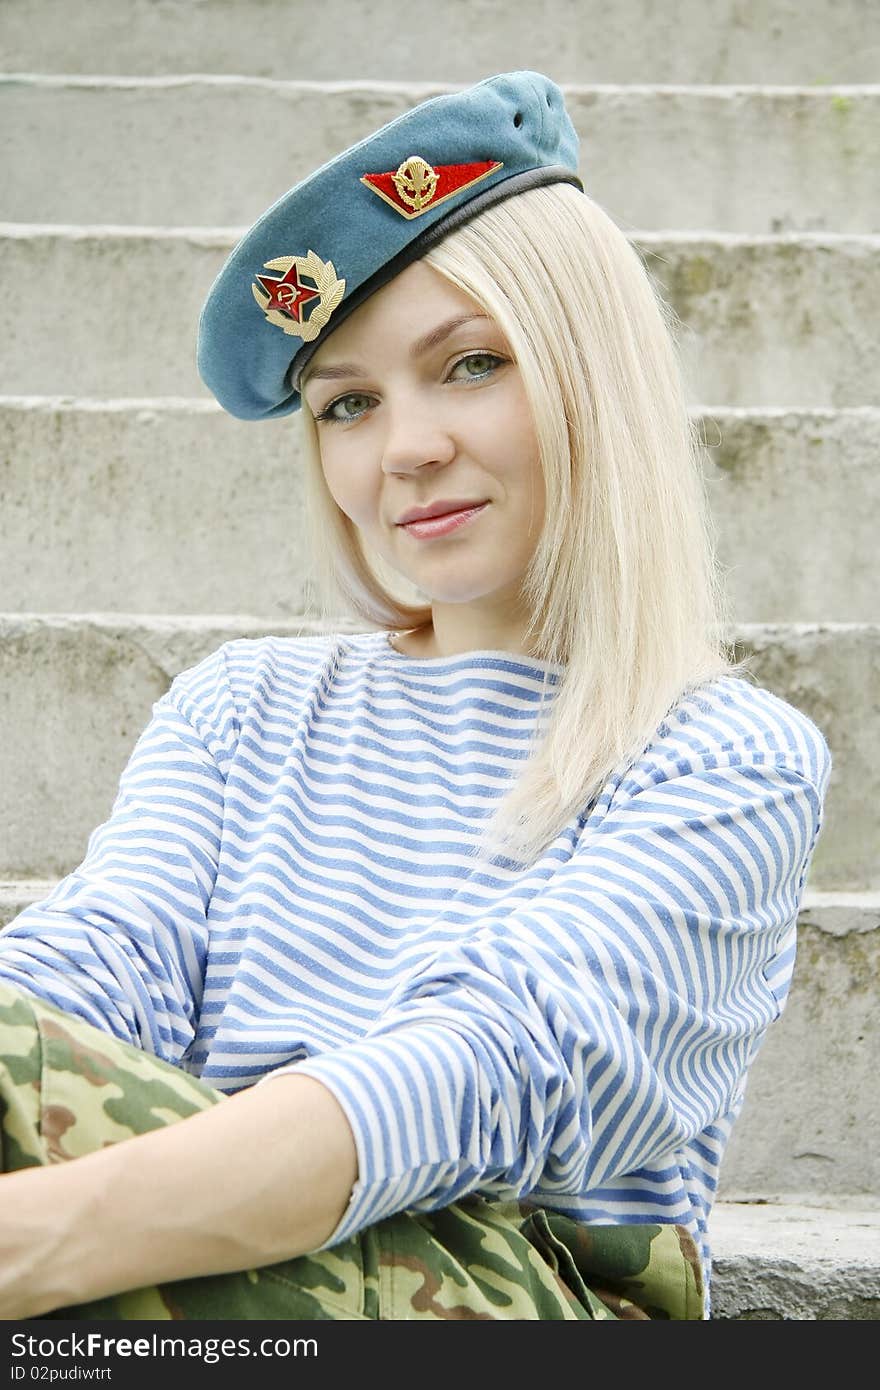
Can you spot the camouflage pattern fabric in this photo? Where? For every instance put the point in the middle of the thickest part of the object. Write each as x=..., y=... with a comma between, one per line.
x=67, y=1089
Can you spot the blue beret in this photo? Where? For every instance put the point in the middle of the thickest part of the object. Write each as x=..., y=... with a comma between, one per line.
x=351, y=226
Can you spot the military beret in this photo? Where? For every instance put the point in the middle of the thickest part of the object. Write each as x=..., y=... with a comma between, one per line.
x=350, y=227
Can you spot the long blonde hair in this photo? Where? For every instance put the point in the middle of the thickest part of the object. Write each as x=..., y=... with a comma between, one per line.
x=624, y=587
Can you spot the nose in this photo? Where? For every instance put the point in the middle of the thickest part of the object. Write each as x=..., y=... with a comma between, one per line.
x=415, y=434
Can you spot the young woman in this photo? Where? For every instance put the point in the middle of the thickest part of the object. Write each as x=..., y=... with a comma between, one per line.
x=418, y=970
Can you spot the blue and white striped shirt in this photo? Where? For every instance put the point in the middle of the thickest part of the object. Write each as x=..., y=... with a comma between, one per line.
x=287, y=877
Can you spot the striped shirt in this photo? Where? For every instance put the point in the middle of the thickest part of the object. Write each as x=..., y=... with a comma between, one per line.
x=287, y=878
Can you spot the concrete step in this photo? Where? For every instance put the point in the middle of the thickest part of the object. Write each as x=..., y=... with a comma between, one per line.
x=737, y=159
x=78, y=689
x=126, y=506
x=150, y=506
x=830, y=671
x=794, y=41
x=17, y=894
x=783, y=320
x=795, y=1263
x=811, y=1119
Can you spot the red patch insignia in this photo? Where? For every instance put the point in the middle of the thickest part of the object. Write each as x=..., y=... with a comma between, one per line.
x=418, y=186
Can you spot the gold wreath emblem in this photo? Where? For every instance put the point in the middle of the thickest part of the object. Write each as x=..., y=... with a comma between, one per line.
x=416, y=182
x=329, y=288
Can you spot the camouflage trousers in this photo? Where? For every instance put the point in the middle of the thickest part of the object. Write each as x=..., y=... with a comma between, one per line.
x=67, y=1089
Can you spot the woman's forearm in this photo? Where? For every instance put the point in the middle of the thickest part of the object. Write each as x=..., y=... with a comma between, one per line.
x=260, y=1177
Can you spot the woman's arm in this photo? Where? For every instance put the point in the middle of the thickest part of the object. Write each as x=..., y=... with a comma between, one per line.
x=574, y=1047
x=261, y=1177
x=122, y=941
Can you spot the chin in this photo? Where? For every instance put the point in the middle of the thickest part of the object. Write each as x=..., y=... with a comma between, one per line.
x=456, y=598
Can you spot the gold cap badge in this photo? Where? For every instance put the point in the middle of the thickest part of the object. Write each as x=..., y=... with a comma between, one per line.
x=285, y=301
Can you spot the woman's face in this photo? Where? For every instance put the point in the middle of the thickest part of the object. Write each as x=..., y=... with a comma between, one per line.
x=418, y=401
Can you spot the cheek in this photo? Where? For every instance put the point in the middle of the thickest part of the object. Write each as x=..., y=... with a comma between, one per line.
x=508, y=434
x=347, y=484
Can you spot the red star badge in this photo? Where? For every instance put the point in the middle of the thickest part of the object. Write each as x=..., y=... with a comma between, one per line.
x=287, y=294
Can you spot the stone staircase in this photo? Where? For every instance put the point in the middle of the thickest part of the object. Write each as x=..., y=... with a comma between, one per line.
x=142, y=527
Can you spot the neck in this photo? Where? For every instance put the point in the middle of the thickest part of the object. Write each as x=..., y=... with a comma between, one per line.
x=452, y=634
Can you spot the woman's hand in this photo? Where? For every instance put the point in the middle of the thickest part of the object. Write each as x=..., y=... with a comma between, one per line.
x=264, y=1176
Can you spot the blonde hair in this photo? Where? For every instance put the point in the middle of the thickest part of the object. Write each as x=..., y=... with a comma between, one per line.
x=624, y=587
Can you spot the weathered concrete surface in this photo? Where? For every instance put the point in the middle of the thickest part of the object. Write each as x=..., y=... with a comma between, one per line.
x=122, y=317
x=830, y=671
x=763, y=318
x=811, y=1119
x=795, y=1263
x=17, y=894
x=77, y=690
x=149, y=507
x=164, y=506
x=796, y=497
x=745, y=159
x=792, y=41
x=75, y=693
x=775, y=321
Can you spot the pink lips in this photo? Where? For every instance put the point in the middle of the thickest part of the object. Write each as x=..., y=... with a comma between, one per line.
x=442, y=525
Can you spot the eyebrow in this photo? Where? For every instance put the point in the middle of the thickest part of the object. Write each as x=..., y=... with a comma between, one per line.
x=419, y=348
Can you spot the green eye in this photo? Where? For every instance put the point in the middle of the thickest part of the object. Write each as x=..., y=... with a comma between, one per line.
x=476, y=365
x=346, y=408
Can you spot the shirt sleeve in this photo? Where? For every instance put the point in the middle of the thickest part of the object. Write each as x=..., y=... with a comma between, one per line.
x=594, y=1031
x=122, y=940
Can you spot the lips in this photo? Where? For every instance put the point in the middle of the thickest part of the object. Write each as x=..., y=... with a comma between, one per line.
x=442, y=508
x=445, y=524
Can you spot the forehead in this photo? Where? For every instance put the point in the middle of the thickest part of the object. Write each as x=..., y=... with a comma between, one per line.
x=410, y=305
